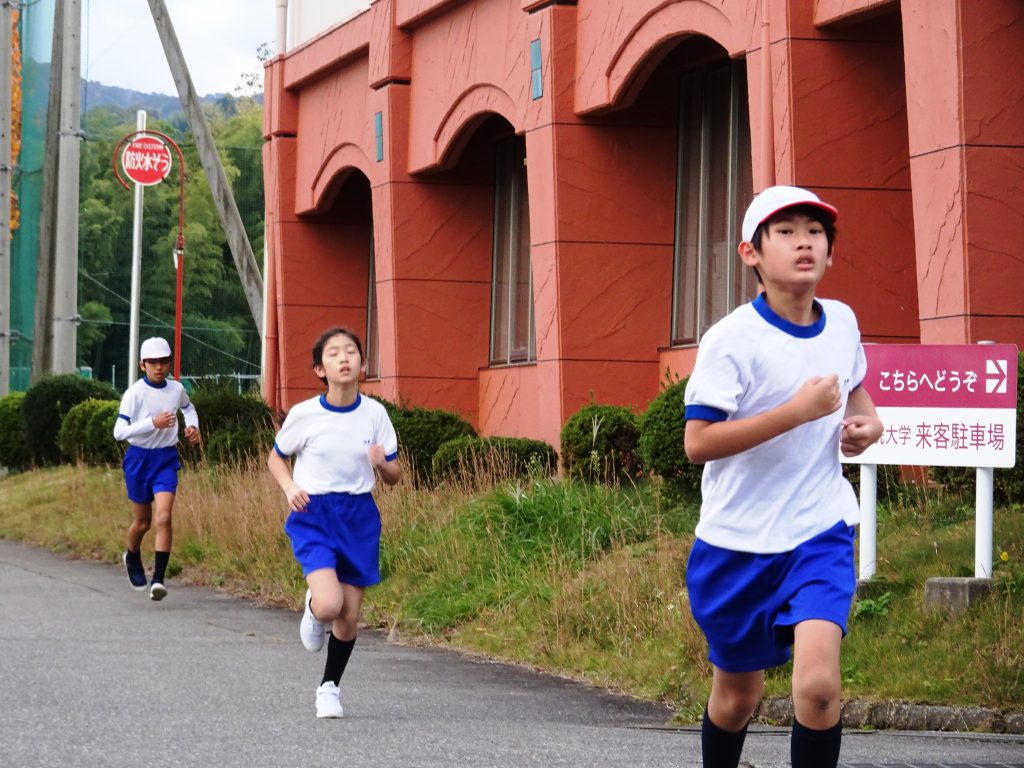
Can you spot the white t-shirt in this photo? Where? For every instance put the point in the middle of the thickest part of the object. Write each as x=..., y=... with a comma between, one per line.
x=141, y=402
x=330, y=444
x=787, y=490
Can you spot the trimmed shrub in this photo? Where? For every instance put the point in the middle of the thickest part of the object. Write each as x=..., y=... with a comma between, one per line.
x=421, y=431
x=662, y=428
x=390, y=407
x=1008, y=484
x=73, y=435
x=100, y=446
x=224, y=410
x=599, y=443
x=13, y=448
x=235, y=446
x=46, y=404
x=497, y=457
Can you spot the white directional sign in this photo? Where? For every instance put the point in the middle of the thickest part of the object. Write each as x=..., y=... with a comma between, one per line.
x=943, y=405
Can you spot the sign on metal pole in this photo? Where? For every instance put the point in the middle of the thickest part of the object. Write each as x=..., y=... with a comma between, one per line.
x=942, y=406
x=146, y=160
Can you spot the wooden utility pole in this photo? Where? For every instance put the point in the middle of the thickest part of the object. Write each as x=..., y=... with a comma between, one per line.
x=42, y=328
x=65, y=273
x=6, y=161
x=230, y=220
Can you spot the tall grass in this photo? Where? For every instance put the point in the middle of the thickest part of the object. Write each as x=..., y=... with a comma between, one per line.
x=583, y=580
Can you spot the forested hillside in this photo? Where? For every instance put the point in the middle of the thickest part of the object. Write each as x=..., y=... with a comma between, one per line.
x=219, y=335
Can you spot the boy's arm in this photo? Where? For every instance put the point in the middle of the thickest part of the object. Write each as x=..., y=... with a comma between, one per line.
x=861, y=425
x=124, y=427
x=709, y=440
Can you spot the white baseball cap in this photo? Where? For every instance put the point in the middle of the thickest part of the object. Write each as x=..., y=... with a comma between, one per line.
x=154, y=348
x=775, y=199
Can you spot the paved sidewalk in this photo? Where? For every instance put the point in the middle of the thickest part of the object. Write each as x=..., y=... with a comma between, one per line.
x=93, y=674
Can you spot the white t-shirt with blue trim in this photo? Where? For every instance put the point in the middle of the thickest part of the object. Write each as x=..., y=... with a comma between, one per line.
x=141, y=402
x=787, y=490
x=331, y=444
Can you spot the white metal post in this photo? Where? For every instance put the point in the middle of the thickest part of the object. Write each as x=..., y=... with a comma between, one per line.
x=983, y=491
x=133, y=323
x=983, y=524
x=868, y=520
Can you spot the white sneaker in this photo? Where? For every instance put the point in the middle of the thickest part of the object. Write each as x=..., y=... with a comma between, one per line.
x=157, y=591
x=328, y=701
x=311, y=631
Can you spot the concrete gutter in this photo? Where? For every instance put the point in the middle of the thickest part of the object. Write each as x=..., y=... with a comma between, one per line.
x=901, y=716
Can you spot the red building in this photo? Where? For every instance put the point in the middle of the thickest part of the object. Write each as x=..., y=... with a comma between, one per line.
x=526, y=204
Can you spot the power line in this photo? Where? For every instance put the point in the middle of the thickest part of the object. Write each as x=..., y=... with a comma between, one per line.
x=164, y=323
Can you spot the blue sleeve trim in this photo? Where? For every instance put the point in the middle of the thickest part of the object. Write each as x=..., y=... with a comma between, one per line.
x=122, y=416
x=391, y=456
x=280, y=453
x=705, y=413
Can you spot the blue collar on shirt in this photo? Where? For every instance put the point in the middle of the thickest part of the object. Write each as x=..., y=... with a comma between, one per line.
x=799, y=331
x=340, y=408
x=154, y=386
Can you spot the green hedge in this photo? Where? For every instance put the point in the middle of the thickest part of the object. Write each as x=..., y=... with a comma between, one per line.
x=225, y=411
x=599, y=443
x=236, y=446
x=47, y=403
x=13, y=448
x=662, y=428
x=73, y=429
x=499, y=457
x=1008, y=483
x=101, y=447
x=421, y=431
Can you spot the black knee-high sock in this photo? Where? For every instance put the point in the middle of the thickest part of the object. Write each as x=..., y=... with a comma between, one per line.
x=818, y=749
x=161, y=566
x=135, y=558
x=338, y=652
x=721, y=749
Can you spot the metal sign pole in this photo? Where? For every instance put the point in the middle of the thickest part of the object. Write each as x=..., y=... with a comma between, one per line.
x=133, y=325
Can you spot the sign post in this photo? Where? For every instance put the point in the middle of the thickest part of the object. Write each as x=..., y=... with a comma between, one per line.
x=146, y=160
x=947, y=406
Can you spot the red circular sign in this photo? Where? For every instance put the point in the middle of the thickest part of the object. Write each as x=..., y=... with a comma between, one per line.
x=146, y=160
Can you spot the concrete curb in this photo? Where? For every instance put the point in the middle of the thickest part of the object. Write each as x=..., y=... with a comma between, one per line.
x=898, y=715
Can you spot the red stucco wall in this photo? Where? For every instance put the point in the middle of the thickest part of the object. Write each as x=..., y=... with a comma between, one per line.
x=900, y=113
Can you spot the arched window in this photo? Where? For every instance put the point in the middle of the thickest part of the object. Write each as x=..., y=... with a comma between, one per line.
x=513, y=336
x=714, y=186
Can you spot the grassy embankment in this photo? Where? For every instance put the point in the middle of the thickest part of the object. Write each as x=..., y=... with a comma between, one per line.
x=585, y=581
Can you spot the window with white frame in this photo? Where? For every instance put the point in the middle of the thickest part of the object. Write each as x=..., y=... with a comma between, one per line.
x=372, y=346
x=512, y=325
x=714, y=186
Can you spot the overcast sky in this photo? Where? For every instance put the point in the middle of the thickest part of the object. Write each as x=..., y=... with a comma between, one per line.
x=218, y=37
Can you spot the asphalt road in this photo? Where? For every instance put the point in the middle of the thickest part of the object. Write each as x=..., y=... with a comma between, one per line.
x=94, y=674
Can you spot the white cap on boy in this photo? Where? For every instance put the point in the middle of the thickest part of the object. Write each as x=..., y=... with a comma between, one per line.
x=775, y=199
x=154, y=348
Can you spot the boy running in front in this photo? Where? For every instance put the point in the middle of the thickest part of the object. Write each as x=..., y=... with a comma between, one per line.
x=774, y=396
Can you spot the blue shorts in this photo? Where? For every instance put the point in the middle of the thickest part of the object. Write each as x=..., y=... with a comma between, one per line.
x=148, y=471
x=340, y=531
x=747, y=604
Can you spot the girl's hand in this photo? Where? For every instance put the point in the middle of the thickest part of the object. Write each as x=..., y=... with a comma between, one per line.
x=165, y=420
x=298, y=499
x=377, y=455
x=192, y=434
